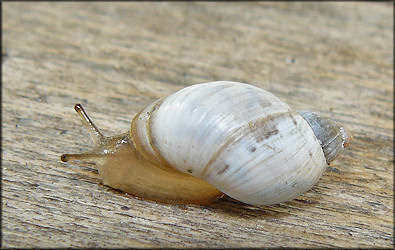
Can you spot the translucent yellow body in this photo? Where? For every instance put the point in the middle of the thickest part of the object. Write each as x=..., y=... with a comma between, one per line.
x=122, y=167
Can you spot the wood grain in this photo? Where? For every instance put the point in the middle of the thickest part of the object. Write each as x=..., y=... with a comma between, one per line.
x=116, y=58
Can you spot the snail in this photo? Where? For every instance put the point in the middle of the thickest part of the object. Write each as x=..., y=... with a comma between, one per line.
x=216, y=138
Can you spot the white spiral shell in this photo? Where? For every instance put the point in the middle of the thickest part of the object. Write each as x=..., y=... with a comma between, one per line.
x=241, y=139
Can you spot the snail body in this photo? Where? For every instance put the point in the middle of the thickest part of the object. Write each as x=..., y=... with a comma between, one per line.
x=217, y=138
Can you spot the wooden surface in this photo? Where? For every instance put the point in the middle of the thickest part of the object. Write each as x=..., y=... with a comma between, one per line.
x=116, y=58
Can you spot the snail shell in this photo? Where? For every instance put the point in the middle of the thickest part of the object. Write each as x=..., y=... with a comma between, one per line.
x=217, y=138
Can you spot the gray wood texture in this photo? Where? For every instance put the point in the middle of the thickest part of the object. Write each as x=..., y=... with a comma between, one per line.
x=116, y=58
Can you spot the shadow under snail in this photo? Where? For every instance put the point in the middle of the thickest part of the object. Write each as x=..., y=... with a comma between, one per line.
x=217, y=138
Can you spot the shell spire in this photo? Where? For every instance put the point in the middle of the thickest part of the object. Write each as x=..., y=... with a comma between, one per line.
x=332, y=137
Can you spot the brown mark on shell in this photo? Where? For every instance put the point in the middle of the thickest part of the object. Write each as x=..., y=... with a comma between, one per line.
x=270, y=129
x=268, y=123
x=293, y=119
x=224, y=169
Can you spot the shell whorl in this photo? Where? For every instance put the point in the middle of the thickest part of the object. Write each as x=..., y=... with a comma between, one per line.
x=332, y=137
x=237, y=137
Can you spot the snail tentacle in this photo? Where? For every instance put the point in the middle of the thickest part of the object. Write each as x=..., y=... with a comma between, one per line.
x=94, y=132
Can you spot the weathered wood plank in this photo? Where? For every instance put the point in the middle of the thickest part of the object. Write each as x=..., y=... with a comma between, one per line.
x=116, y=58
